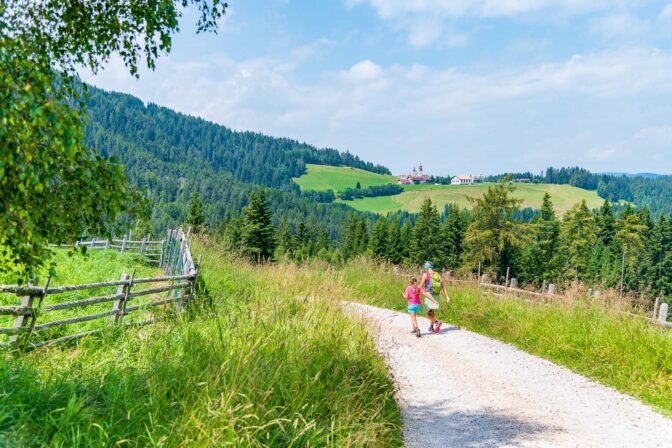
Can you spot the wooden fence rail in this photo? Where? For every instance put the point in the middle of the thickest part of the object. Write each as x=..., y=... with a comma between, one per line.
x=31, y=316
x=152, y=250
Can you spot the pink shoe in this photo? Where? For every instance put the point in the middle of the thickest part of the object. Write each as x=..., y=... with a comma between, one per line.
x=437, y=327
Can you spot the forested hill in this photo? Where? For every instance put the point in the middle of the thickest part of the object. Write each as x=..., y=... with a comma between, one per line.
x=175, y=137
x=645, y=190
x=172, y=155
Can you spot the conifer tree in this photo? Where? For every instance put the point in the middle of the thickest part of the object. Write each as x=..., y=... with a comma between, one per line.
x=362, y=237
x=452, y=236
x=546, y=242
x=285, y=240
x=349, y=246
x=578, y=235
x=379, y=235
x=195, y=216
x=406, y=237
x=426, y=243
x=629, y=236
x=323, y=240
x=493, y=235
x=258, y=232
x=606, y=222
x=394, y=250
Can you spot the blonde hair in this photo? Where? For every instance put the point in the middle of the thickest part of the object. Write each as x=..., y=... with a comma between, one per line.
x=413, y=280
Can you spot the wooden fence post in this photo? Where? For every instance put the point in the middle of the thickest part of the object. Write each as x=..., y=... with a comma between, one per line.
x=123, y=244
x=508, y=270
x=655, y=309
x=118, y=304
x=22, y=321
x=142, y=248
x=161, y=258
x=662, y=317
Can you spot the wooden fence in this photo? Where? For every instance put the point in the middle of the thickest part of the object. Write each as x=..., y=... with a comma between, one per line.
x=44, y=313
x=151, y=250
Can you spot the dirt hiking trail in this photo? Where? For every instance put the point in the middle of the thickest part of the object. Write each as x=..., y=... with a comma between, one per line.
x=460, y=389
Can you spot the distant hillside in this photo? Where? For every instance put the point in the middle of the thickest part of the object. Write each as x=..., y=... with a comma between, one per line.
x=646, y=190
x=170, y=155
x=643, y=175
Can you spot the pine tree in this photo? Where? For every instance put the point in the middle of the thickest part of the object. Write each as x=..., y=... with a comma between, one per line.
x=426, y=243
x=258, y=232
x=546, y=242
x=323, y=239
x=629, y=236
x=349, y=246
x=358, y=186
x=452, y=236
x=406, y=235
x=195, y=212
x=493, y=235
x=606, y=222
x=379, y=235
x=285, y=240
x=578, y=236
x=362, y=237
x=395, y=249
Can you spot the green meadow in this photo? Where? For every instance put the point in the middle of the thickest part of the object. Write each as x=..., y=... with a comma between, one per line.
x=563, y=197
x=337, y=178
x=322, y=177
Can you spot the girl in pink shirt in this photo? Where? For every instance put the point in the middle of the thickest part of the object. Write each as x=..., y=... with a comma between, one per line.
x=412, y=294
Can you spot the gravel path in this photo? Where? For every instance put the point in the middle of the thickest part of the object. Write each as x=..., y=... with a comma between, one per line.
x=460, y=389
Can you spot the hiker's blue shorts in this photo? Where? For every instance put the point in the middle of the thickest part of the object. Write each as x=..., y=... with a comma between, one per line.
x=414, y=309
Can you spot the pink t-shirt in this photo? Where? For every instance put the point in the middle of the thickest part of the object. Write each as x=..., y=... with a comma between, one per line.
x=413, y=296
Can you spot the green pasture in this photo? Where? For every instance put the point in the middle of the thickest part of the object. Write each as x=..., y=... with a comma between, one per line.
x=338, y=178
x=563, y=197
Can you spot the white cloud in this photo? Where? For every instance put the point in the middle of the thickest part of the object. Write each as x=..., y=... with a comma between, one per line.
x=424, y=20
x=656, y=134
x=362, y=72
x=665, y=15
x=618, y=26
x=601, y=154
x=459, y=118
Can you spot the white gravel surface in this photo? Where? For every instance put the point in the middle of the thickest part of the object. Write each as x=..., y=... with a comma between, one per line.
x=460, y=389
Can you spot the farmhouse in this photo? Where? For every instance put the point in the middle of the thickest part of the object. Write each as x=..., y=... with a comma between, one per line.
x=463, y=180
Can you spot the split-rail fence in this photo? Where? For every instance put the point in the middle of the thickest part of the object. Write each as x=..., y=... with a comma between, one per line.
x=43, y=314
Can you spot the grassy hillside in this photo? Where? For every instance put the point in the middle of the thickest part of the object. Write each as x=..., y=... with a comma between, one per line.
x=563, y=196
x=337, y=178
x=263, y=366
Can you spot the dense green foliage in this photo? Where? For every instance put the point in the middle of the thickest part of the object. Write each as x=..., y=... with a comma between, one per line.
x=370, y=192
x=252, y=370
x=170, y=156
x=630, y=250
x=53, y=186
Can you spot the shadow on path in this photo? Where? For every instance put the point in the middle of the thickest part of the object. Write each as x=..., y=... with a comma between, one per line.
x=482, y=428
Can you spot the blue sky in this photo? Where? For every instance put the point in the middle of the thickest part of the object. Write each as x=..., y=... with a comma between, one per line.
x=462, y=86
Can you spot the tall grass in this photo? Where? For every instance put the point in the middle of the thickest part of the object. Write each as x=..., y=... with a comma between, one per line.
x=264, y=365
x=596, y=340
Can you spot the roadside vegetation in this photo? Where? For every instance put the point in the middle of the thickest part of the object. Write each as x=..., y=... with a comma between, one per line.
x=256, y=362
x=593, y=339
